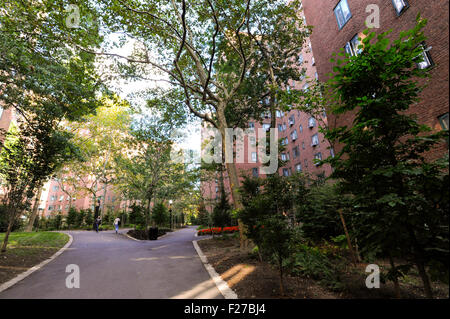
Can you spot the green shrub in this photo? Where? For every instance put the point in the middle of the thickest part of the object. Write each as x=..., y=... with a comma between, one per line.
x=317, y=264
x=4, y=221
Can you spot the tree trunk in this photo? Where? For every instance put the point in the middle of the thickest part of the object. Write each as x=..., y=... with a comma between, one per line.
x=349, y=242
x=426, y=281
x=232, y=175
x=280, y=264
x=8, y=231
x=398, y=294
x=419, y=261
x=147, y=215
x=35, y=210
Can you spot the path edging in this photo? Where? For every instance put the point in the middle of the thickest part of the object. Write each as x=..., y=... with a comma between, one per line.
x=221, y=284
x=28, y=272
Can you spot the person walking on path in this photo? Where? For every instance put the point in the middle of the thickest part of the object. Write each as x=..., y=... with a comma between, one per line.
x=116, y=224
x=98, y=221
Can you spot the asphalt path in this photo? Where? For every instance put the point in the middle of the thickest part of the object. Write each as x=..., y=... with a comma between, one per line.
x=113, y=266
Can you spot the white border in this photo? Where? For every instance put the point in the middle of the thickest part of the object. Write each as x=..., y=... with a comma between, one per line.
x=222, y=285
x=25, y=274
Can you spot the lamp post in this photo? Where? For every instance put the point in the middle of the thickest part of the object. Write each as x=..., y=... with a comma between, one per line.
x=170, y=212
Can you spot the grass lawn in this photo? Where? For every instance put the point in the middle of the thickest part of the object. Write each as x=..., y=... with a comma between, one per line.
x=26, y=250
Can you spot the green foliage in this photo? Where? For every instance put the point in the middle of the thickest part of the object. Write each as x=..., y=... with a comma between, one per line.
x=318, y=212
x=71, y=218
x=202, y=215
x=56, y=221
x=89, y=219
x=4, y=220
x=400, y=203
x=221, y=215
x=136, y=215
x=313, y=263
x=160, y=214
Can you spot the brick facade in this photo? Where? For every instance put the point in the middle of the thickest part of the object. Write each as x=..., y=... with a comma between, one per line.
x=327, y=38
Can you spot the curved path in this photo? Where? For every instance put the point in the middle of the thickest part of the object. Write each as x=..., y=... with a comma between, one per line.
x=114, y=266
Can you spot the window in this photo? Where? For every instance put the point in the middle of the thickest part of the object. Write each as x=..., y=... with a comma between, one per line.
x=424, y=57
x=303, y=145
x=317, y=158
x=316, y=75
x=280, y=128
x=311, y=122
x=305, y=87
x=283, y=157
x=294, y=135
x=279, y=113
x=53, y=198
x=300, y=59
x=342, y=13
x=61, y=198
x=315, y=140
x=291, y=120
x=295, y=152
x=285, y=172
x=300, y=128
x=298, y=167
x=254, y=157
x=266, y=126
x=50, y=207
x=1, y=112
x=332, y=152
x=252, y=140
x=255, y=171
x=217, y=189
x=400, y=6
x=251, y=125
x=313, y=61
x=286, y=141
x=55, y=188
x=443, y=119
x=351, y=48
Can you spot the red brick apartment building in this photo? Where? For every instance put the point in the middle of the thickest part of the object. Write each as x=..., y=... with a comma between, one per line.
x=337, y=24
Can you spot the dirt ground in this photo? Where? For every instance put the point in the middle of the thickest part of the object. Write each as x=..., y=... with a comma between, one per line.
x=18, y=260
x=252, y=279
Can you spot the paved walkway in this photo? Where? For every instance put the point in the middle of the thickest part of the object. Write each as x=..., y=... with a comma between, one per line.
x=114, y=266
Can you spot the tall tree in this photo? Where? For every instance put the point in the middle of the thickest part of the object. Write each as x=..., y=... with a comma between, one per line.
x=201, y=48
x=44, y=80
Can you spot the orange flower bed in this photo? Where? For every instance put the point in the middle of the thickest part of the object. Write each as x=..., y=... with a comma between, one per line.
x=218, y=230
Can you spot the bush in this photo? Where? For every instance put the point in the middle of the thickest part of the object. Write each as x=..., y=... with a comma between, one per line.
x=137, y=216
x=160, y=214
x=319, y=264
x=4, y=221
x=72, y=217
